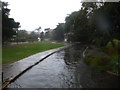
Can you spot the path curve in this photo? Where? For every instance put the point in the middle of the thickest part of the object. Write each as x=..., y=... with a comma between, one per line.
x=14, y=70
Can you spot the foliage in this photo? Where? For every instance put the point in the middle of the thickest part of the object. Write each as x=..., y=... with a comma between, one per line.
x=9, y=26
x=47, y=35
x=22, y=35
x=24, y=50
x=95, y=23
x=115, y=67
x=33, y=36
x=116, y=42
x=42, y=36
x=58, y=33
x=102, y=63
x=114, y=54
x=113, y=58
x=108, y=49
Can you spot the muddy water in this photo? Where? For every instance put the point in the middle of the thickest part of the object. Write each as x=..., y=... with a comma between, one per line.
x=64, y=69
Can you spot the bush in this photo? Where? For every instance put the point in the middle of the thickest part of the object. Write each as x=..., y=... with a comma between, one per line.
x=115, y=67
x=116, y=42
x=101, y=63
x=104, y=63
x=110, y=50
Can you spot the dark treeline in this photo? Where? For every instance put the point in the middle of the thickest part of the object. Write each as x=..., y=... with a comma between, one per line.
x=24, y=36
x=10, y=32
x=9, y=26
x=95, y=23
x=58, y=33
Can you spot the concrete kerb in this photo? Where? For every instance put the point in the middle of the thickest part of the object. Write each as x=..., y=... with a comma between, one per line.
x=7, y=81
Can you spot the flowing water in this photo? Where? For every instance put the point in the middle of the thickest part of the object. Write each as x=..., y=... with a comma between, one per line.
x=64, y=69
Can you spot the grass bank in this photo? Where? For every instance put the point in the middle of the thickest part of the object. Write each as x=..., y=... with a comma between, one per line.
x=109, y=62
x=17, y=52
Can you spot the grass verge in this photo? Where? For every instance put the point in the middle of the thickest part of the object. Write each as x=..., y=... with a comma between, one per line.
x=17, y=52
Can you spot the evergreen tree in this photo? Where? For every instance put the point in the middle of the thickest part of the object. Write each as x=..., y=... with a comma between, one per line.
x=9, y=26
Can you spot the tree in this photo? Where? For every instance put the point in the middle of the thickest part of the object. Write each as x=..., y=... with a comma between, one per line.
x=22, y=35
x=107, y=22
x=58, y=32
x=112, y=11
x=33, y=36
x=9, y=26
x=47, y=35
x=76, y=27
x=42, y=36
x=96, y=23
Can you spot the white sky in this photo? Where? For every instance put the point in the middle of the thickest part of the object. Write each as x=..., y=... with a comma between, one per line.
x=45, y=13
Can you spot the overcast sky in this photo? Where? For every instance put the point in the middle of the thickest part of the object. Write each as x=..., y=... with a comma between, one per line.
x=45, y=13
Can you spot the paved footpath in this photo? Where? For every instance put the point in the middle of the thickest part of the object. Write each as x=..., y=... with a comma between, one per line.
x=11, y=71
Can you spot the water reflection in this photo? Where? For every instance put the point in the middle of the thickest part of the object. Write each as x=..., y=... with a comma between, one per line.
x=64, y=69
x=73, y=54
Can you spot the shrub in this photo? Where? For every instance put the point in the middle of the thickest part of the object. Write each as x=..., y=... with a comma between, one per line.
x=115, y=67
x=101, y=63
x=112, y=50
x=116, y=42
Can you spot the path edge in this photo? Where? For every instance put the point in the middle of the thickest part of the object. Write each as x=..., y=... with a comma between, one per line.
x=7, y=81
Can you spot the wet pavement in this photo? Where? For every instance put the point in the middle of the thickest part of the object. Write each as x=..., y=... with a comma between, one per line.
x=65, y=69
x=12, y=70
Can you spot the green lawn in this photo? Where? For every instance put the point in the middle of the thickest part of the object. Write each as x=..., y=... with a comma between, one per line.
x=17, y=52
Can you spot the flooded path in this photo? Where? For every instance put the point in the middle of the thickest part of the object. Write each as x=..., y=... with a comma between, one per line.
x=64, y=69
